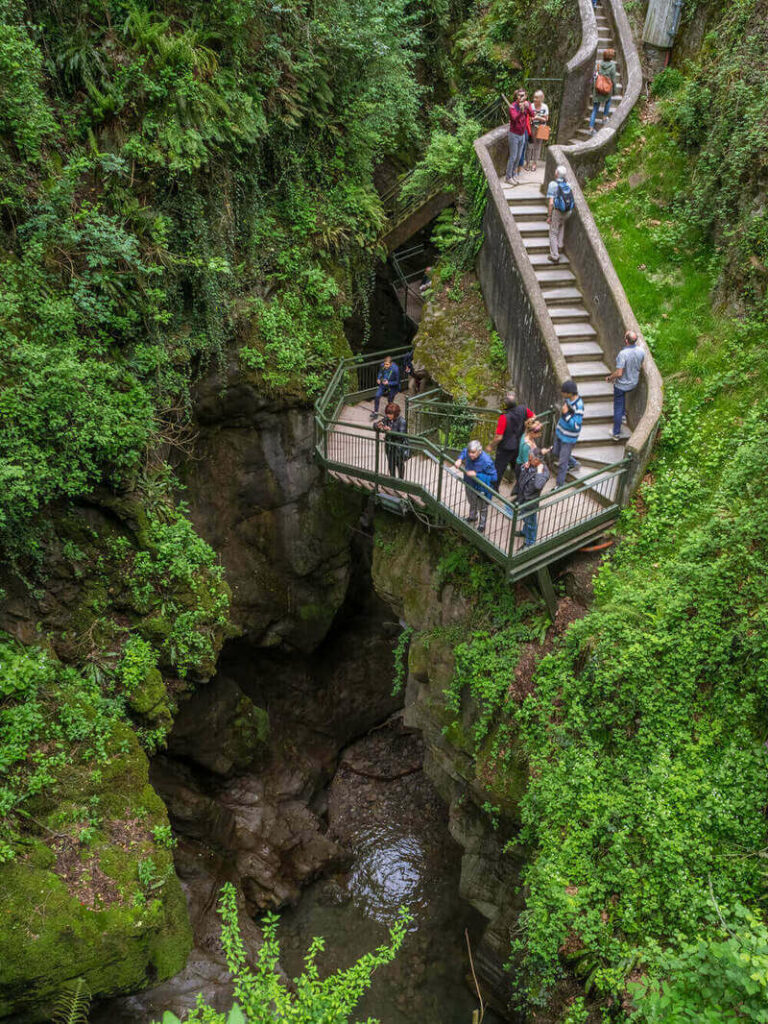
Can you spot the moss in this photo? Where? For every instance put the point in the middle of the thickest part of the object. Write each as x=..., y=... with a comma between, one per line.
x=457, y=345
x=49, y=936
x=150, y=698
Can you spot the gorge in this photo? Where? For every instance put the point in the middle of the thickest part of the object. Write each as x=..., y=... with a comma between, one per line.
x=221, y=669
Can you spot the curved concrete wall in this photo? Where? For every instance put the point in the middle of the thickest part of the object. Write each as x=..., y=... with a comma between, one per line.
x=510, y=288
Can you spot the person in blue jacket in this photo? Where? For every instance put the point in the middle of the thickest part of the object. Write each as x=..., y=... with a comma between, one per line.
x=478, y=470
x=567, y=430
x=387, y=383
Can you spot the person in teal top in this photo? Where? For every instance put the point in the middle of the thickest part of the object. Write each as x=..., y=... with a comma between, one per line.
x=529, y=440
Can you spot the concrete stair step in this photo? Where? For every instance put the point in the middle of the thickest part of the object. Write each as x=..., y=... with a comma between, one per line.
x=536, y=243
x=597, y=455
x=556, y=275
x=596, y=390
x=534, y=227
x=527, y=211
x=598, y=412
x=540, y=259
x=580, y=330
x=586, y=350
x=587, y=369
x=525, y=192
x=561, y=296
x=569, y=313
x=600, y=433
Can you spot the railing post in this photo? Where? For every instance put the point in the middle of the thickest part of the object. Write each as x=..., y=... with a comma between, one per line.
x=376, y=440
x=513, y=532
x=440, y=481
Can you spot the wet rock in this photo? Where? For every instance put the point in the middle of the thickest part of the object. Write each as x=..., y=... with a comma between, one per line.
x=257, y=496
x=220, y=728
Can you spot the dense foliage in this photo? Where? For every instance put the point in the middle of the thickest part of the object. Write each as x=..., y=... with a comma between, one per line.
x=717, y=107
x=262, y=994
x=172, y=179
x=645, y=732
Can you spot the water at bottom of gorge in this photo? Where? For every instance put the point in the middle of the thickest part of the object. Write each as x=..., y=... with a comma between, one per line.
x=396, y=828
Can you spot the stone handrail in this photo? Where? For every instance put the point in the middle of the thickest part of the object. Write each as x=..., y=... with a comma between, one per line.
x=512, y=293
x=578, y=73
x=586, y=158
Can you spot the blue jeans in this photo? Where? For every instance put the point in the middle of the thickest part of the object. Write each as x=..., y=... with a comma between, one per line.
x=562, y=452
x=530, y=526
x=521, y=161
x=606, y=110
x=382, y=389
x=516, y=150
x=619, y=405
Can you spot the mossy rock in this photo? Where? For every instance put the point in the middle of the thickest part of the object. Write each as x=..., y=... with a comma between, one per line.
x=82, y=909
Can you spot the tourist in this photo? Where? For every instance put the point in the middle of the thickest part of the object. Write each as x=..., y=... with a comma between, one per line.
x=568, y=430
x=603, y=87
x=426, y=280
x=478, y=470
x=625, y=379
x=509, y=430
x=395, y=447
x=529, y=440
x=539, y=120
x=533, y=475
x=387, y=382
x=519, y=125
x=416, y=375
x=561, y=201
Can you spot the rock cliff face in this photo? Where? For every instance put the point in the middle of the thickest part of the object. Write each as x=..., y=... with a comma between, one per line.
x=406, y=576
x=256, y=497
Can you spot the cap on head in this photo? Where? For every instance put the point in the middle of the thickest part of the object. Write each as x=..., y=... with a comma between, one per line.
x=569, y=388
x=474, y=446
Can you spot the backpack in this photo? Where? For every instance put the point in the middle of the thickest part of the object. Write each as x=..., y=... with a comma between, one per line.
x=564, y=200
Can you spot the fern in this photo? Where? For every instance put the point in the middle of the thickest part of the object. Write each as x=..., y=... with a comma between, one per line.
x=73, y=1004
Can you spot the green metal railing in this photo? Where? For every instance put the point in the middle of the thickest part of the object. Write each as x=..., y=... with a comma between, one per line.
x=355, y=452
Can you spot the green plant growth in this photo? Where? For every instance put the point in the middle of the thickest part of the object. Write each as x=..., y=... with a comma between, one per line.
x=400, y=653
x=645, y=731
x=262, y=997
x=719, y=979
x=73, y=1005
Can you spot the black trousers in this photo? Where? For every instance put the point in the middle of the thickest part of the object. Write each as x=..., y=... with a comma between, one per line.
x=396, y=461
x=503, y=458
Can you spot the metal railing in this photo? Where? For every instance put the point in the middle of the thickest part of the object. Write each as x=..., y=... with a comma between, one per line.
x=418, y=470
x=407, y=282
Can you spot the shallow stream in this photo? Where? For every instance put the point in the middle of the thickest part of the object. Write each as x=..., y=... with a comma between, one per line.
x=382, y=807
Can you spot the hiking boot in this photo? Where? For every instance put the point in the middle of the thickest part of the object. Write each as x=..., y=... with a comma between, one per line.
x=615, y=437
x=481, y=528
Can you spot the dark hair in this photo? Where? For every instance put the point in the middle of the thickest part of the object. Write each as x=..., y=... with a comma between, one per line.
x=609, y=54
x=393, y=409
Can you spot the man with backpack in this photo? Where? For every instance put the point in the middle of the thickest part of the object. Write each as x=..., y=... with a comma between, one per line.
x=509, y=429
x=561, y=202
x=387, y=383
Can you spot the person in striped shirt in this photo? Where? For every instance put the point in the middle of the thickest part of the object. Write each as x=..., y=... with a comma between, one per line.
x=568, y=430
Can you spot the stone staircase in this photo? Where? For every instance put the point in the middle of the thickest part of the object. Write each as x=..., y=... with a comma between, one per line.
x=562, y=294
x=605, y=40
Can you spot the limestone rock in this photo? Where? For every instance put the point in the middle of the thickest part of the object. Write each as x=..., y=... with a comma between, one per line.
x=258, y=498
